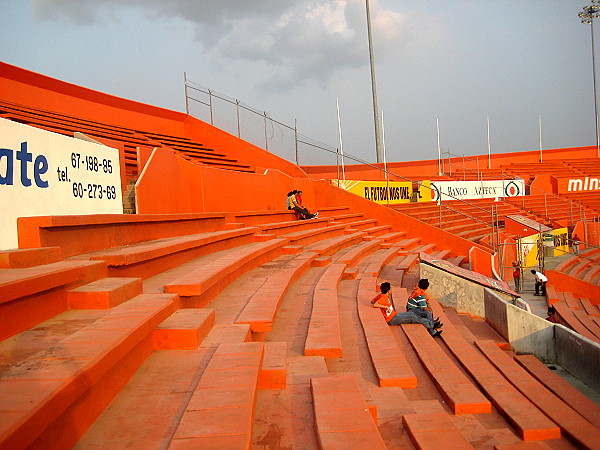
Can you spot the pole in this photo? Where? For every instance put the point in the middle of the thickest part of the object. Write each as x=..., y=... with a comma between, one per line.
x=437, y=125
x=187, y=105
x=373, y=85
x=337, y=165
x=210, y=106
x=266, y=135
x=540, y=122
x=489, y=145
x=387, y=178
x=237, y=113
x=595, y=88
x=296, y=139
x=337, y=103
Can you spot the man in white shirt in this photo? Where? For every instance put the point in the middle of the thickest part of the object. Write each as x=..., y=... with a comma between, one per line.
x=540, y=281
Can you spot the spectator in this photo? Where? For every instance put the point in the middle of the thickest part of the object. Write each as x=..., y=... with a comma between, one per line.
x=418, y=302
x=292, y=204
x=383, y=301
x=540, y=282
x=575, y=241
x=552, y=315
x=298, y=198
x=516, y=275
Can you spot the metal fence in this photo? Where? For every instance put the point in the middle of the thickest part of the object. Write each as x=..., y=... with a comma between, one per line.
x=258, y=128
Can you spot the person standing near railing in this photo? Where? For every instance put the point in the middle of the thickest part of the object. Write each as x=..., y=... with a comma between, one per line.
x=516, y=275
x=540, y=282
x=575, y=242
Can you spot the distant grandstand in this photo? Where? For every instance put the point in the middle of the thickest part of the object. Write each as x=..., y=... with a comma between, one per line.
x=155, y=291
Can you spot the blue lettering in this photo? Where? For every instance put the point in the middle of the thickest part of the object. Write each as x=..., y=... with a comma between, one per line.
x=40, y=168
x=25, y=157
x=7, y=178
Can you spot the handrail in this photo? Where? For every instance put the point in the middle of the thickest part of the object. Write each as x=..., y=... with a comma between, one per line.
x=471, y=217
x=479, y=176
x=546, y=194
x=579, y=255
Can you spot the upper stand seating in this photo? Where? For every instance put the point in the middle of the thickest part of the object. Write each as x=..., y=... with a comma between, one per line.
x=131, y=139
x=470, y=219
x=579, y=314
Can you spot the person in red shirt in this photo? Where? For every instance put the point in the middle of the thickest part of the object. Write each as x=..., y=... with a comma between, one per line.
x=517, y=275
x=382, y=301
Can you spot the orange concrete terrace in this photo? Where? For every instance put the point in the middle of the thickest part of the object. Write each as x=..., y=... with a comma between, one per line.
x=213, y=318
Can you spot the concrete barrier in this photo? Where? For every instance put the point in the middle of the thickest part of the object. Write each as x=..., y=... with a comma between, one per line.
x=578, y=355
x=525, y=332
x=511, y=318
x=462, y=294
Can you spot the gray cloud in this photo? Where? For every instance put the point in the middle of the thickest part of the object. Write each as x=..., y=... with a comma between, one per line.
x=297, y=41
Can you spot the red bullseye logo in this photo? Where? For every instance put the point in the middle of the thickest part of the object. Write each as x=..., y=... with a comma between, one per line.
x=512, y=189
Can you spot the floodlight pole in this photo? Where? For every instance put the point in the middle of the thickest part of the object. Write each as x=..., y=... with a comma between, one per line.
x=588, y=15
x=387, y=177
x=337, y=103
x=373, y=86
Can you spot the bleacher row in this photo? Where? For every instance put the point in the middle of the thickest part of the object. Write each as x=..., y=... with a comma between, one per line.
x=244, y=336
x=578, y=313
x=527, y=171
x=474, y=220
x=131, y=139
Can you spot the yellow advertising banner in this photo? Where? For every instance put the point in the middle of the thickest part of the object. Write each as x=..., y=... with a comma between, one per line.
x=382, y=192
x=556, y=242
x=424, y=191
x=530, y=250
x=561, y=241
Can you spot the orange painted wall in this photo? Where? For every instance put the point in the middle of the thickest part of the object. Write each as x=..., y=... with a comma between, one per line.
x=39, y=91
x=566, y=283
x=588, y=232
x=171, y=184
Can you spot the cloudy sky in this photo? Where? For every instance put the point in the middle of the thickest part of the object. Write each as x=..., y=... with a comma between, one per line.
x=459, y=61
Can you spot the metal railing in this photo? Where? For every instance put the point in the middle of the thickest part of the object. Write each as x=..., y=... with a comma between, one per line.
x=214, y=101
x=462, y=167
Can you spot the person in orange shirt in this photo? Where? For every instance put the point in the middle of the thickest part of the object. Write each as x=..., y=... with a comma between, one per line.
x=382, y=301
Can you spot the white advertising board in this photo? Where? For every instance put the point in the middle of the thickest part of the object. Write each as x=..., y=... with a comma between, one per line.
x=44, y=173
x=462, y=190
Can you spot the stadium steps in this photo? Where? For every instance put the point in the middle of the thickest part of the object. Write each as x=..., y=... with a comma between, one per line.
x=216, y=351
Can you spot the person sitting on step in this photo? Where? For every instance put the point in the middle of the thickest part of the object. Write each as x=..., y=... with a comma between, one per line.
x=384, y=303
x=418, y=302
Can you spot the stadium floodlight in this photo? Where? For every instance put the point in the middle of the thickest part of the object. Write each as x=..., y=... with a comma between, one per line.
x=587, y=16
x=373, y=85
